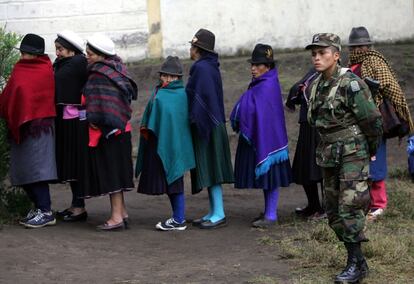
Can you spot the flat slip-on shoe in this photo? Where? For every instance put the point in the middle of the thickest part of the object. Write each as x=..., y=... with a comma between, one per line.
x=76, y=218
x=106, y=227
x=212, y=225
x=197, y=222
x=264, y=223
x=63, y=213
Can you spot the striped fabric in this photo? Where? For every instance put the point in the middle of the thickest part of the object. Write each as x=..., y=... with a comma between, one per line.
x=108, y=93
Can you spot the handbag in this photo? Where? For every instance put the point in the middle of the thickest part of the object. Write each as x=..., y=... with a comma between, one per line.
x=393, y=126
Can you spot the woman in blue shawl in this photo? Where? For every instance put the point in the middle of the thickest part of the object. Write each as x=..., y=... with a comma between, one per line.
x=166, y=148
x=262, y=158
x=208, y=126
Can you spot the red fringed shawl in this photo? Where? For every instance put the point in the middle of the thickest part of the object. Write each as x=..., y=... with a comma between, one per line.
x=29, y=94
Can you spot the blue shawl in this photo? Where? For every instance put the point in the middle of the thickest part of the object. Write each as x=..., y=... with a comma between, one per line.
x=259, y=117
x=205, y=95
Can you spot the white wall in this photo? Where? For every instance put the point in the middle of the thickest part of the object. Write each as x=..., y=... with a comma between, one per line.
x=125, y=21
x=281, y=23
x=237, y=24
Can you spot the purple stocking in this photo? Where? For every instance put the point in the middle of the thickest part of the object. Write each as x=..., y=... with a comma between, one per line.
x=271, y=197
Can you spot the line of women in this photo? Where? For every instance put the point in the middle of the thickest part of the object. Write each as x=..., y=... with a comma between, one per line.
x=85, y=116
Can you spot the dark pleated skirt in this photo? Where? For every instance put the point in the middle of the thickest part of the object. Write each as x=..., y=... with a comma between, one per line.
x=279, y=175
x=108, y=167
x=213, y=160
x=152, y=179
x=71, y=135
x=305, y=169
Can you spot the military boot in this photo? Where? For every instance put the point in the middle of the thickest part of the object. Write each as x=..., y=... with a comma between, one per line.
x=352, y=272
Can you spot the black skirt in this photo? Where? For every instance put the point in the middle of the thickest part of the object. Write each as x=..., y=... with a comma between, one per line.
x=152, y=179
x=108, y=167
x=305, y=169
x=71, y=135
x=279, y=175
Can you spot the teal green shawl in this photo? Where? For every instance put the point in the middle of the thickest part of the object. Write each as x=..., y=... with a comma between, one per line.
x=166, y=116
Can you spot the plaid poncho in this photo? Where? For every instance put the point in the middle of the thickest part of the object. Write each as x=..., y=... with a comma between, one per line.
x=108, y=93
x=374, y=65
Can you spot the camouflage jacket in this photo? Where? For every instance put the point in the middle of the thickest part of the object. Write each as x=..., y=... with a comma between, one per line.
x=345, y=115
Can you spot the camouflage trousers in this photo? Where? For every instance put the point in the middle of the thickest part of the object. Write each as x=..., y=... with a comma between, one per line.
x=347, y=202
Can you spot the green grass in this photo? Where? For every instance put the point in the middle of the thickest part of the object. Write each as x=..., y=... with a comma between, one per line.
x=316, y=255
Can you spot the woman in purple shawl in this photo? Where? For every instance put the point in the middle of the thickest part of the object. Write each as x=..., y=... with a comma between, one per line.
x=262, y=157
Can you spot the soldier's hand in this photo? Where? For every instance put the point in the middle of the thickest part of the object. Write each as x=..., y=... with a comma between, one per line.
x=373, y=158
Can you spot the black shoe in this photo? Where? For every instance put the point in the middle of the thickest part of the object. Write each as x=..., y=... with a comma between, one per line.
x=261, y=216
x=305, y=212
x=76, y=218
x=63, y=213
x=264, y=223
x=363, y=267
x=210, y=225
x=197, y=222
x=351, y=274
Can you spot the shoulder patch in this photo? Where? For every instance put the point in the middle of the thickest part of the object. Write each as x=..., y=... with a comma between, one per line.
x=355, y=86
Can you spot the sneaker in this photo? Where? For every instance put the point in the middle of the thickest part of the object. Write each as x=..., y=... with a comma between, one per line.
x=30, y=215
x=41, y=219
x=374, y=213
x=171, y=225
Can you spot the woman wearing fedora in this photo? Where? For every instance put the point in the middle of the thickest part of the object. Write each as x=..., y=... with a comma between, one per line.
x=367, y=62
x=108, y=93
x=262, y=158
x=166, y=148
x=71, y=126
x=27, y=104
x=208, y=126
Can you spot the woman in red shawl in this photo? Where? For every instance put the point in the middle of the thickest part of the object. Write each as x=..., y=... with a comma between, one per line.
x=28, y=107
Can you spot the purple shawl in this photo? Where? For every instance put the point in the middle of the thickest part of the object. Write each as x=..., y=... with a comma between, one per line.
x=260, y=118
x=205, y=95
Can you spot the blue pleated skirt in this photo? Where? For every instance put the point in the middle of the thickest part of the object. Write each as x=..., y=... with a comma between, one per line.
x=279, y=175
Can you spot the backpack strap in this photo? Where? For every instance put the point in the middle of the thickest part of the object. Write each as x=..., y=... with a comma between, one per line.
x=331, y=95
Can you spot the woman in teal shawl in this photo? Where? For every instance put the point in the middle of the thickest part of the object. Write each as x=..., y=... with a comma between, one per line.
x=166, y=148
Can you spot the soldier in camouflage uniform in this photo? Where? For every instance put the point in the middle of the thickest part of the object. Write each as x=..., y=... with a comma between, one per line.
x=344, y=113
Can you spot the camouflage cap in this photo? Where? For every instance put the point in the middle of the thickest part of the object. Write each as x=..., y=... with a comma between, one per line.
x=325, y=40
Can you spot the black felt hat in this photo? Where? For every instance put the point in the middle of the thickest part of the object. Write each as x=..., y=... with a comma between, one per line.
x=359, y=36
x=204, y=39
x=262, y=54
x=32, y=44
x=172, y=66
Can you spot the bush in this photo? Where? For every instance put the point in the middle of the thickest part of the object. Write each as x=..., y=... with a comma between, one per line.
x=8, y=57
x=12, y=201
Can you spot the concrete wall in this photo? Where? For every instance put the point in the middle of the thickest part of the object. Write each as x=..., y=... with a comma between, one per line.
x=281, y=23
x=154, y=28
x=125, y=21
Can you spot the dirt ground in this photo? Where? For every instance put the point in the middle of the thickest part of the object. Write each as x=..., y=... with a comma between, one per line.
x=77, y=253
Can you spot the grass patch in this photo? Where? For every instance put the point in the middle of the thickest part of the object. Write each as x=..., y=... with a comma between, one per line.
x=263, y=280
x=317, y=256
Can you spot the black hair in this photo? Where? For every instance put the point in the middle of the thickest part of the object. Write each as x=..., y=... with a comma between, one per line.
x=270, y=65
x=66, y=44
x=96, y=51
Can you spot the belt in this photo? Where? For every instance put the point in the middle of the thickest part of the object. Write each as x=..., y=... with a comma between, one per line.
x=351, y=131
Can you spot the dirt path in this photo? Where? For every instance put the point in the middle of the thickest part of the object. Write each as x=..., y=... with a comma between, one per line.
x=77, y=253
